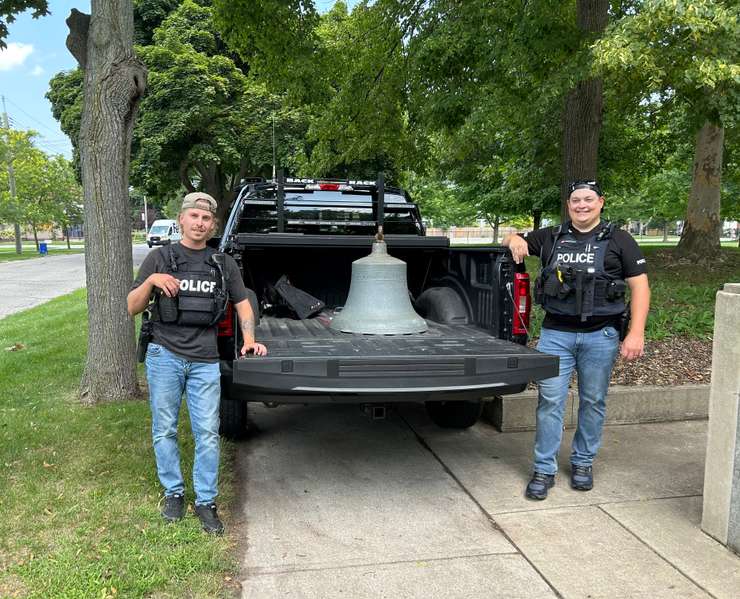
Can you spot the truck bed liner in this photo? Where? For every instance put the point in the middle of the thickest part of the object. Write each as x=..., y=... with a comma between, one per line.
x=297, y=338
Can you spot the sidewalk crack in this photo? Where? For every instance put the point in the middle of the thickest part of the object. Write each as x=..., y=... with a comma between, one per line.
x=478, y=504
x=267, y=571
x=656, y=552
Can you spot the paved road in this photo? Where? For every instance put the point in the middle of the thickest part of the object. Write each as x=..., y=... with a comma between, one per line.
x=28, y=283
x=339, y=506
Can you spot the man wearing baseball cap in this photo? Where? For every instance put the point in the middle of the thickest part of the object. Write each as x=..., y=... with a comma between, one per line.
x=185, y=288
x=586, y=267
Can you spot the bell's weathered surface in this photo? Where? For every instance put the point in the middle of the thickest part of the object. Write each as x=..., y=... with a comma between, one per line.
x=378, y=301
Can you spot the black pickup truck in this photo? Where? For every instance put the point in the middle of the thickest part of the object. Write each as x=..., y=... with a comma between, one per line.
x=475, y=303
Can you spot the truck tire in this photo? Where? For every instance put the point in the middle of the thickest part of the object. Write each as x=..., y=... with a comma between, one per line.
x=233, y=414
x=455, y=414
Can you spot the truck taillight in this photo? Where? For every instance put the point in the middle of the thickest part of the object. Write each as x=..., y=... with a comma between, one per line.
x=226, y=324
x=522, y=304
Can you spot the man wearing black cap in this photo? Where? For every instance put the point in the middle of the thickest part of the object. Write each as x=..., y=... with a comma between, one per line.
x=189, y=287
x=587, y=265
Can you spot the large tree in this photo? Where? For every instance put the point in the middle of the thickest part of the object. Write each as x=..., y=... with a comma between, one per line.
x=688, y=52
x=504, y=86
x=582, y=114
x=204, y=123
x=345, y=70
x=114, y=82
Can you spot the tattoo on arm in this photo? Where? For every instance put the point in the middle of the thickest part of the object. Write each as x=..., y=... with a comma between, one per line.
x=247, y=326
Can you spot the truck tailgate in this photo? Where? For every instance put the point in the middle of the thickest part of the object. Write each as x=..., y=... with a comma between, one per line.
x=306, y=357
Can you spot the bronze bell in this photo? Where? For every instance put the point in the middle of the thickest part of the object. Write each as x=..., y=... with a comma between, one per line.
x=378, y=302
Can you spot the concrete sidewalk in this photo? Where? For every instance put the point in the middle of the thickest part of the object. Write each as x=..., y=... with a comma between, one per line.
x=338, y=505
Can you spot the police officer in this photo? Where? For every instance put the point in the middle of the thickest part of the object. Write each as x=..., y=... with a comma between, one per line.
x=185, y=284
x=587, y=264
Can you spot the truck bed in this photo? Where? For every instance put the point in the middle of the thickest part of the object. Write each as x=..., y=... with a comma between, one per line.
x=308, y=357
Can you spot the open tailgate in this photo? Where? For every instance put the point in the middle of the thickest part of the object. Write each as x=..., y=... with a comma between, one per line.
x=306, y=357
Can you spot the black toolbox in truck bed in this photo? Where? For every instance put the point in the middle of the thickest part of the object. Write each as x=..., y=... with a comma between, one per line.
x=310, y=362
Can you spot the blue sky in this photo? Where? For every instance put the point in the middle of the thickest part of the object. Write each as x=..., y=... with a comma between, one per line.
x=36, y=52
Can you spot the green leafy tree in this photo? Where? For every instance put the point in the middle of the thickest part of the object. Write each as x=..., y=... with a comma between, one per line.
x=66, y=195
x=10, y=8
x=14, y=146
x=65, y=95
x=345, y=70
x=34, y=189
x=203, y=124
x=687, y=52
x=47, y=192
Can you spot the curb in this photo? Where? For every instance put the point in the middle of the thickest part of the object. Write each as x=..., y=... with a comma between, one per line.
x=625, y=405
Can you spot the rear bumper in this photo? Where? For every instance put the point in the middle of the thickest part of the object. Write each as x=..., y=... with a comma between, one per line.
x=314, y=380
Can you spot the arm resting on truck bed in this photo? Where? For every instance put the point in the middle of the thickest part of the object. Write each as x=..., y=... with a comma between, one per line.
x=246, y=324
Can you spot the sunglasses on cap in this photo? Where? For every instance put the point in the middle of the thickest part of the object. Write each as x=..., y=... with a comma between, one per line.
x=584, y=184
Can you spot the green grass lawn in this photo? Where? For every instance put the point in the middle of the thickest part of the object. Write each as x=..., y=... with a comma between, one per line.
x=79, y=489
x=683, y=294
x=7, y=255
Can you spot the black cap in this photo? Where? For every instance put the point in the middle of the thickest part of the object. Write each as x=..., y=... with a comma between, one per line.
x=584, y=184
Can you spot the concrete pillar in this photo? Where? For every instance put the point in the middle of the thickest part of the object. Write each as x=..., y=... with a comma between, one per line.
x=721, y=514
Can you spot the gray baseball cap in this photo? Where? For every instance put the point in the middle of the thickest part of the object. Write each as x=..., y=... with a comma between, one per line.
x=199, y=200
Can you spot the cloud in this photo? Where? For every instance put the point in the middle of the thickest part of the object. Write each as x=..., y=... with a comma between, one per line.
x=37, y=71
x=14, y=55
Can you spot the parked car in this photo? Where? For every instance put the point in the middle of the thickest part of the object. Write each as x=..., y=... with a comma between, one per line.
x=163, y=232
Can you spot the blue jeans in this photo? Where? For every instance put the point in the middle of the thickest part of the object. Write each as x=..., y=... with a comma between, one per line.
x=168, y=376
x=592, y=355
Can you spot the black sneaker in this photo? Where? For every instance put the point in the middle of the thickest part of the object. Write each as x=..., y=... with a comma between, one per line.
x=209, y=518
x=581, y=477
x=174, y=507
x=539, y=485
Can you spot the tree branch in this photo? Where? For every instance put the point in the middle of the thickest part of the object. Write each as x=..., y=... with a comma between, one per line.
x=79, y=26
x=184, y=178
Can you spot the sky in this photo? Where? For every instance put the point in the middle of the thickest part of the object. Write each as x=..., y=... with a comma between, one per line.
x=36, y=52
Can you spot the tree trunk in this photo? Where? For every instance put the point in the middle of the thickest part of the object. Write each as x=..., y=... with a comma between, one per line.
x=665, y=231
x=537, y=219
x=582, y=111
x=66, y=234
x=35, y=236
x=114, y=83
x=212, y=182
x=701, y=232
x=18, y=240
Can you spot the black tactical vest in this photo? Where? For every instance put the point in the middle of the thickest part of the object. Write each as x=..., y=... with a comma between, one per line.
x=202, y=298
x=573, y=282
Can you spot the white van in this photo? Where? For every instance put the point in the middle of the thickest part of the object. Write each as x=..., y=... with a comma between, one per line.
x=163, y=232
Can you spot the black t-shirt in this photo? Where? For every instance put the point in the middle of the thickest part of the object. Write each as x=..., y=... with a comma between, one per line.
x=623, y=259
x=196, y=344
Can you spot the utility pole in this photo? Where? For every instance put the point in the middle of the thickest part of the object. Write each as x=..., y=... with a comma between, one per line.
x=11, y=180
x=146, y=217
x=273, y=145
